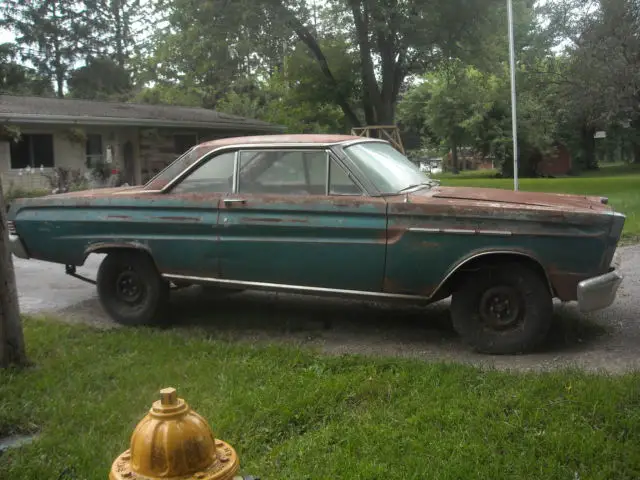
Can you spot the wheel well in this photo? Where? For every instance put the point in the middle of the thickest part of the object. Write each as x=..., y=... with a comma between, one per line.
x=106, y=250
x=488, y=260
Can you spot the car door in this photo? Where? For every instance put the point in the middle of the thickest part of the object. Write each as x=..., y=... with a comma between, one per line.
x=297, y=219
x=183, y=228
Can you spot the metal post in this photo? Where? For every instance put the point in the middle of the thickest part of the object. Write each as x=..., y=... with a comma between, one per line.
x=514, y=119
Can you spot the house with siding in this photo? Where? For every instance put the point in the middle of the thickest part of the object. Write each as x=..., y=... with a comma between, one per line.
x=135, y=140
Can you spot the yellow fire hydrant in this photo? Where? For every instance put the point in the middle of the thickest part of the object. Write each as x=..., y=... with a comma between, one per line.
x=173, y=441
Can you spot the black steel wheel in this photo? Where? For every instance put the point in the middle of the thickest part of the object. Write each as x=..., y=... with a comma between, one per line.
x=503, y=309
x=131, y=289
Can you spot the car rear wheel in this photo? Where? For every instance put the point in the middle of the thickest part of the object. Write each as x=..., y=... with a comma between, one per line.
x=131, y=289
x=504, y=309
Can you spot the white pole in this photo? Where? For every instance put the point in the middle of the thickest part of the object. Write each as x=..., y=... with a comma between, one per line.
x=514, y=119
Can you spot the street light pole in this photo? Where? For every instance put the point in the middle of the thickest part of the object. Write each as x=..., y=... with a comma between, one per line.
x=514, y=119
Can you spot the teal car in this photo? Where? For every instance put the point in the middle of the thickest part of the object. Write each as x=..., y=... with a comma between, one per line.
x=338, y=216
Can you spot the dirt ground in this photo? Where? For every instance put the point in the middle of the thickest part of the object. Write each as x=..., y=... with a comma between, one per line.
x=603, y=341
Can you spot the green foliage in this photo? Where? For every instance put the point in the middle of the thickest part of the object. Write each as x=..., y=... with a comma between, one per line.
x=278, y=102
x=100, y=79
x=14, y=192
x=18, y=79
x=49, y=33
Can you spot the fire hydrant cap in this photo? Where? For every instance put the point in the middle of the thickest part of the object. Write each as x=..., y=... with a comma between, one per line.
x=173, y=441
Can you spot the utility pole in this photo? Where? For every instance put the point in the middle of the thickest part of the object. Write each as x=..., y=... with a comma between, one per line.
x=12, y=351
x=514, y=118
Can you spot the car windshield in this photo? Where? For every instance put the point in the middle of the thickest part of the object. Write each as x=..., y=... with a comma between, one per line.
x=388, y=169
x=178, y=165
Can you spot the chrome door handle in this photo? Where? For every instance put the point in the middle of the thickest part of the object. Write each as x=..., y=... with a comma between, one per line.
x=230, y=201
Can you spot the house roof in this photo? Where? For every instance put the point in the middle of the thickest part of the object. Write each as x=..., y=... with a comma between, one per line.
x=25, y=109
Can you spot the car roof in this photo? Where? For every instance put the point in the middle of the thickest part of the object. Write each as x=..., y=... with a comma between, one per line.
x=281, y=139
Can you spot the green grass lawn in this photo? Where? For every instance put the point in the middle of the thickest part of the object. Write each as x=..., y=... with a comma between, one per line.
x=621, y=183
x=294, y=414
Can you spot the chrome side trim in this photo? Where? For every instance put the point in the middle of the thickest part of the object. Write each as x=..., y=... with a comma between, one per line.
x=458, y=231
x=321, y=291
x=424, y=230
x=497, y=233
x=292, y=288
x=461, y=231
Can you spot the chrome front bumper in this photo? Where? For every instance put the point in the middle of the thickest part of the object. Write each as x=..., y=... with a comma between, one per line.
x=599, y=292
x=17, y=247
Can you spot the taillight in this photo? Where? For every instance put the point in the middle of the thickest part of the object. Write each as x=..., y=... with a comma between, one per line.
x=11, y=227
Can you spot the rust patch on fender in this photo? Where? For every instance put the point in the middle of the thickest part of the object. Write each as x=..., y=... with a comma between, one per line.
x=565, y=284
x=393, y=235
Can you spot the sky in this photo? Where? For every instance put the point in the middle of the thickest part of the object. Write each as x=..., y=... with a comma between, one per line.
x=6, y=36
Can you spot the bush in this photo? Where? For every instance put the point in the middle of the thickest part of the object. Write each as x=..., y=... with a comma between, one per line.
x=14, y=192
x=64, y=180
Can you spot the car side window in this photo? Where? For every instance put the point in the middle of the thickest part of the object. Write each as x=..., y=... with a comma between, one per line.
x=339, y=181
x=283, y=172
x=214, y=176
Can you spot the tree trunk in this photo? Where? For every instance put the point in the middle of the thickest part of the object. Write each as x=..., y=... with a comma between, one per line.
x=454, y=156
x=12, y=351
x=589, y=159
x=635, y=141
x=119, y=40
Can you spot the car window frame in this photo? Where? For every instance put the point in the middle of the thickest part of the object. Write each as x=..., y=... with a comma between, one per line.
x=335, y=153
x=332, y=158
x=195, y=166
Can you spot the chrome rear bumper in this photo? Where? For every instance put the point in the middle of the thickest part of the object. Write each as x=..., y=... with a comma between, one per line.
x=599, y=292
x=17, y=247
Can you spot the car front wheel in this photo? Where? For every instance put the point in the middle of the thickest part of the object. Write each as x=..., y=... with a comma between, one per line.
x=130, y=288
x=502, y=309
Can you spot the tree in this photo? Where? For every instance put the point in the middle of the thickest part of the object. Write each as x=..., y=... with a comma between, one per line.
x=599, y=82
x=49, y=33
x=276, y=101
x=12, y=350
x=210, y=45
x=19, y=79
x=403, y=38
x=114, y=24
x=99, y=79
x=206, y=47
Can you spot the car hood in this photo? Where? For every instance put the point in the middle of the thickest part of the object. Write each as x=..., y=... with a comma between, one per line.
x=509, y=197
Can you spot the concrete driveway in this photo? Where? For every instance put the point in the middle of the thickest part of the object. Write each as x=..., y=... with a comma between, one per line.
x=607, y=340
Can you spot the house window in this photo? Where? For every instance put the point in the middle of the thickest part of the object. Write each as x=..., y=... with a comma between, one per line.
x=32, y=150
x=94, y=150
x=183, y=142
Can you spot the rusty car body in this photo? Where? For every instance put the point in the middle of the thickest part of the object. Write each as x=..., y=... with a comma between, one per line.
x=332, y=215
